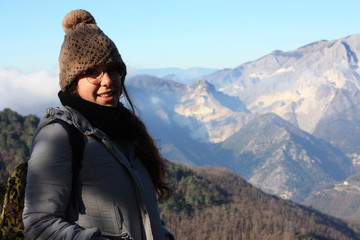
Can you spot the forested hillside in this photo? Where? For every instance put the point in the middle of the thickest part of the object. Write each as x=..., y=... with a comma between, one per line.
x=208, y=203
x=16, y=133
x=215, y=203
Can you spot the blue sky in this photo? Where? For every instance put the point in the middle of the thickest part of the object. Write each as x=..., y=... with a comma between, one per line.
x=175, y=33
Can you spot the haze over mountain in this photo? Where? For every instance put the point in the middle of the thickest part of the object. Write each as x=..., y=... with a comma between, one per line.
x=176, y=74
x=287, y=122
x=196, y=125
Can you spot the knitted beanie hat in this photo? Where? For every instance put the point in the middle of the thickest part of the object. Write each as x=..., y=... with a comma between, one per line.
x=85, y=46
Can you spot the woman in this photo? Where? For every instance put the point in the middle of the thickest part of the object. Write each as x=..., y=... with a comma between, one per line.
x=122, y=173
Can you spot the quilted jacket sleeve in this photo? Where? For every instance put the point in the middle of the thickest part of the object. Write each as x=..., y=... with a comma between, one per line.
x=48, y=189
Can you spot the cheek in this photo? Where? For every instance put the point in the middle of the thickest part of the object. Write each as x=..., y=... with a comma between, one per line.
x=84, y=91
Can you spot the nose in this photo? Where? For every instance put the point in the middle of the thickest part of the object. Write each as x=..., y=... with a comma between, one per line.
x=106, y=80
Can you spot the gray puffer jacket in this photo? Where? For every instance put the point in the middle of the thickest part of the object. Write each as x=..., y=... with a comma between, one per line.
x=116, y=195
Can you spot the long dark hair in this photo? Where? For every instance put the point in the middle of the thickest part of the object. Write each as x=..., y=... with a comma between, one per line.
x=149, y=153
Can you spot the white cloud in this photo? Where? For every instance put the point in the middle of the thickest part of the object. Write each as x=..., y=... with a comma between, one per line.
x=28, y=93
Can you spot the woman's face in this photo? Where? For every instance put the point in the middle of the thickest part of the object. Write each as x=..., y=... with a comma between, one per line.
x=102, y=87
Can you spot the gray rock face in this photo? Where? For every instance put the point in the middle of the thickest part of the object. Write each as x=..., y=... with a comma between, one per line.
x=315, y=87
x=287, y=122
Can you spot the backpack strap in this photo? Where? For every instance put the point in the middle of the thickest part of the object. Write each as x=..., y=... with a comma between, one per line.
x=76, y=140
x=63, y=116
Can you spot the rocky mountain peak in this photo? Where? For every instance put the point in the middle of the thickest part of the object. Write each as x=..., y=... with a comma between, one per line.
x=284, y=121
x=302, y=86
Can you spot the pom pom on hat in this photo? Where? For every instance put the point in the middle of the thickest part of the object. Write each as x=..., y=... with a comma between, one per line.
x=75, y=17
x=85, y=46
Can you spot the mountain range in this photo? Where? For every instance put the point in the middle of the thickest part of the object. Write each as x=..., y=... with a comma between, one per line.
x=287, y=122
x=315, y=87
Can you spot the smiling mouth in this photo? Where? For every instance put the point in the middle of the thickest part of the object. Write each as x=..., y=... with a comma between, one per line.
x=106, y=94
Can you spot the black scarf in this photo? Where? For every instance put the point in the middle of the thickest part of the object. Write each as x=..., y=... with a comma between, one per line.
x=116, y=122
